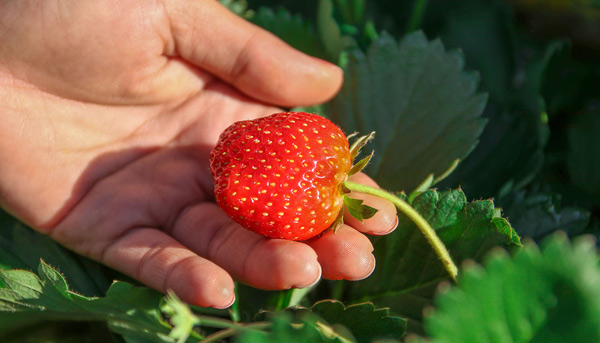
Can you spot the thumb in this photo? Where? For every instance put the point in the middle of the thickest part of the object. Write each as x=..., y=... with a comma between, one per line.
x=257, y=63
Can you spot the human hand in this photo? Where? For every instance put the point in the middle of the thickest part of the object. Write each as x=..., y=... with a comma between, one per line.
x=109, y=110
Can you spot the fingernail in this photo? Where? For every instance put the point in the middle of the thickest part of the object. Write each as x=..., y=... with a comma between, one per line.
x=374, y=262
x=317, y=279
x=224, y=307
x=394, y=227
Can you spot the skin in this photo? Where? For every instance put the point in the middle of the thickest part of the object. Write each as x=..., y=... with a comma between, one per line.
x=108, y=112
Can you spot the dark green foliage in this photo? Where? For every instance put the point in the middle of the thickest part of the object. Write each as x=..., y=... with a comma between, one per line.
x=364, y=321
x=439, y=81
x=292, y=29
x=583, y=154
x=415, y=96
x=535, y=215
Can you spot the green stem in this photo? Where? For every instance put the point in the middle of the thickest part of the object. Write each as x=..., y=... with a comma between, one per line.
x=218, y=323
x=427, y=231
x=234, y=310
x=219, y=335
x=417, y=15
x=338, y=290
x=283, y=300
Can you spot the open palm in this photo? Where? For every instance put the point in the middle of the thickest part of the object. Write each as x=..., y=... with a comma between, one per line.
x=109, y=111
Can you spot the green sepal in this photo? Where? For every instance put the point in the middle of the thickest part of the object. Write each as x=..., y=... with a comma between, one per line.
x=361, y=164
x=359, y=143
x=358, y=210
x=339, y=220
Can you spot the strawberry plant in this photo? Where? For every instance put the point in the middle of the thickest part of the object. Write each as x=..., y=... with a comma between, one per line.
x=485, y=115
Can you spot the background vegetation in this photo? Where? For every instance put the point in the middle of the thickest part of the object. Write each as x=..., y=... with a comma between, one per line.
x=488, y=119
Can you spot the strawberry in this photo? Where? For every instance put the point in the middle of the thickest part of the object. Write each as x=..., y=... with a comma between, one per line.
x=281, y=176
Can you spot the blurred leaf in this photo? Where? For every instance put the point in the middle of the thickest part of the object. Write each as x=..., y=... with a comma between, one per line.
x=535, y=215
x=511, y=150
x=352, y=12
x=330, y=32
x=290, y=28
x=182, y=318
x=419, y=101
x=128, y=310
x=311, y=329
x=408, y=270
x=22, y=248
x=582, y=80
x=63, y=332
x=543, y=296
x=583, y=156
x=576, y=20
x=239, y=7
x=508, y=156
x=484, y=31
x=365, y=322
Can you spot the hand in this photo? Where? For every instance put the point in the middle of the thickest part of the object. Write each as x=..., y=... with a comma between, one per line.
x=109, y=110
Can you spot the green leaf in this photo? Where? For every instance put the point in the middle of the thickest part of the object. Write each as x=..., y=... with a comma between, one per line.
x=239, y=7
x=22, y=248
x=511, y=150
x=415, y=95
x=292, y=29
x=508, y=156
x=352, y=12
x=550, y=295
x=408, y=270
x=365, y=322
x=52, y=277
x=583, y=154
x=310, y=329
x=356, y=208
x=128, y=310
x=513, y=70
x=535, y=215
x=330, y=34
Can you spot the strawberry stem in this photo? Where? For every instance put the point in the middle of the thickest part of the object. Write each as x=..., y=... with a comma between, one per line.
x=422, y=224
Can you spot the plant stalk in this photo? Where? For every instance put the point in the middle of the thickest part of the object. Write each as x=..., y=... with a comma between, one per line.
x=432, y=238
x=219, y=335
x=283, y=299
x=416, y=17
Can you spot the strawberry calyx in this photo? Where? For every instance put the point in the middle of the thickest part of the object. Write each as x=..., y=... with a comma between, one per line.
x=355, y=207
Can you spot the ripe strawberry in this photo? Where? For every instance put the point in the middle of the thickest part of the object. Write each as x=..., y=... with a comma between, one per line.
x=281, y=175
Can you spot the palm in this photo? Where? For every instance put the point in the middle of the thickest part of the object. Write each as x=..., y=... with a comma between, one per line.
x=153, y=180
x=115, y=121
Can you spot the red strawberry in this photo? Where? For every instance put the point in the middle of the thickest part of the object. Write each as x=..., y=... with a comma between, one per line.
x=281, y=175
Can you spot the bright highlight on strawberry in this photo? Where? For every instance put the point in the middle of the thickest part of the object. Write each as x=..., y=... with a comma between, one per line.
x=281, y=176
